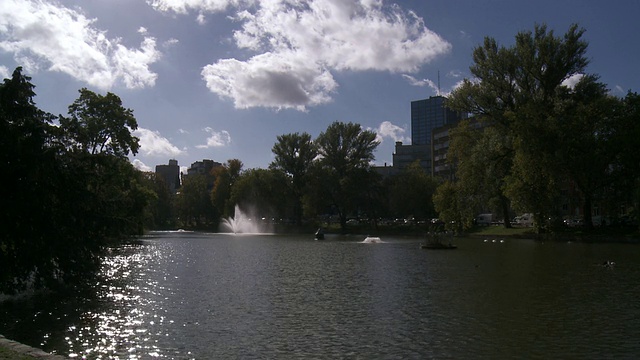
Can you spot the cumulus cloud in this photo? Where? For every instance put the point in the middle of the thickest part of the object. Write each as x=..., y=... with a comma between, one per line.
x=184, y=6
x=43, y=34
x=572, y=80
x=386, y=129
x=154, y=144
x=270, y=80
x=298, y=45
x=140, y=165
x=215, y=139
x=4, y=72
x=424, y=82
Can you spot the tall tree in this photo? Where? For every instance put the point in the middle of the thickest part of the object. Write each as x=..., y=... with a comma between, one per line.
x=515, y=90
x=294, y=155
x=589, y=126
x=62, y=204
x=346, y=151
x=100, y=124
x=225, y=178
x=263, y=193
x=27, y=178
x=629, y=182
x=411, y=193
x=194, y=204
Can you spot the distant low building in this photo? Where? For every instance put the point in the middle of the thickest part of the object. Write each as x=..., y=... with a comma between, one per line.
x=405, y=155
x=203, y=168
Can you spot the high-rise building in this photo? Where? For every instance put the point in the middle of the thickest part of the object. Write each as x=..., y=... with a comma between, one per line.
x=170, y=174
x=428, y=114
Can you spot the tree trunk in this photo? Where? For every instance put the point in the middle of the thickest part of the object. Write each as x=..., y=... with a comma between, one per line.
x=586, y=216
x=505, y=212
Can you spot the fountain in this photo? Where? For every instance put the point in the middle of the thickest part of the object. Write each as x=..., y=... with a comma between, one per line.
x=241, y=223
x=372, y=240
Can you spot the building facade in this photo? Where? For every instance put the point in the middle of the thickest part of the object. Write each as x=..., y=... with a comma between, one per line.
x=426, y=116
x=440, y=167
x=170, y=174
x=404, y=155
x=203, y=168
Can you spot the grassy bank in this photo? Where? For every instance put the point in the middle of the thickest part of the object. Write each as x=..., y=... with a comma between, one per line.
x=606, y=234
x=9, y=354
x=488, y=231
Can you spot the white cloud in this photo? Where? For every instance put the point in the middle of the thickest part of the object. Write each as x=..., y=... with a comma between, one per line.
x=270, y=80
x=572, y=80
x=183, y=131
x=388, y=130
x=456, y=74
x=298, y=44
x=140, y=165
x=169, y=43
x=4, y=73
x=424, y=82
x=184, y=6
x=216, y=139
x=43, y=34
x=154, y=144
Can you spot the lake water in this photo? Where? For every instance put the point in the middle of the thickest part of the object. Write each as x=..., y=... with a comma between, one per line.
x=181, y=295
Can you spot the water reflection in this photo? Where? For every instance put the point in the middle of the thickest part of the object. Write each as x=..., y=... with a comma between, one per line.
x=190, y=295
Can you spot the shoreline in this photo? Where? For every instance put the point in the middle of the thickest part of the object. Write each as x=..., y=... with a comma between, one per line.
x=10, y=349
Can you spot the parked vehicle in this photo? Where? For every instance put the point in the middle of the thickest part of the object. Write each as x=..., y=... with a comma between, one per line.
x=524, y=220
x=484, y=219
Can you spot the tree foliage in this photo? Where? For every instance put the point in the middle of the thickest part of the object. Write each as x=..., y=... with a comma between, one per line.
x=62, y=203
x=225, y=178
x=346, y=151
x=516, y=91
x=411, y=193
x=294, y=156
x=99, y=124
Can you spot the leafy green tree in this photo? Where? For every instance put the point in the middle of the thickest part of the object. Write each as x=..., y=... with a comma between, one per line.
x=99, y=124
x=193, y=202
x=450, y=204
x=516, y=90
x=294, y=155
x=62, y=203
x=160, y=212
x=225, y=178
x=483, y=159
x=346, y=151
x=411, y=193
x=589, y=124
x=629, y=160
x=264, y=193
x=26, y=191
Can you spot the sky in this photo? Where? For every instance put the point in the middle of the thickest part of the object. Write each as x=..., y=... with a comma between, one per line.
x=221, y=79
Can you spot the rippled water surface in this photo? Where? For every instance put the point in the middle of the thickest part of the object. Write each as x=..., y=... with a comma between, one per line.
x=213, y=296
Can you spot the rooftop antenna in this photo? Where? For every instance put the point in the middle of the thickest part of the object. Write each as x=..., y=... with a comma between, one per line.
x=438, y=82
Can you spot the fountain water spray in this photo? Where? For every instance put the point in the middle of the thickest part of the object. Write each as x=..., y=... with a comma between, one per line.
x=242, y=223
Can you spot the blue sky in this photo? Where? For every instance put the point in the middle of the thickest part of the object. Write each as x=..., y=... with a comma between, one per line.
x=221, y=79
